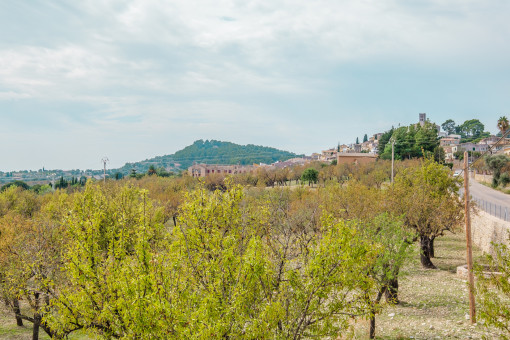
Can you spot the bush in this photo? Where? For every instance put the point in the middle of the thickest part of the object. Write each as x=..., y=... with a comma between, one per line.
x=19, y=184
x=504, y=179
x=493, y=291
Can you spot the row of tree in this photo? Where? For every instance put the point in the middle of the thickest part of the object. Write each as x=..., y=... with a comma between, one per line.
x=168, y=258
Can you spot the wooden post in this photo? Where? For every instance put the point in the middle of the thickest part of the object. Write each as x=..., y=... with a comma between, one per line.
x=472, y=310
x=392, y=157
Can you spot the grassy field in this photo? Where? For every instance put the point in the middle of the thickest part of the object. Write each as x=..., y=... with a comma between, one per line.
x=434, y=303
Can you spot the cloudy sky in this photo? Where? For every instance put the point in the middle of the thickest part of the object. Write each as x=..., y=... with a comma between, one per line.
x=134, y=79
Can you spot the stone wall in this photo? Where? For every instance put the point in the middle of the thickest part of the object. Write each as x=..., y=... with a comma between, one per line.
x=486, y=229
x=483, y=178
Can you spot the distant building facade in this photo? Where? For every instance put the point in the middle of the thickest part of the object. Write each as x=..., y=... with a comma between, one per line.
x=355, y=158
x=471, y=147
x=204, y=170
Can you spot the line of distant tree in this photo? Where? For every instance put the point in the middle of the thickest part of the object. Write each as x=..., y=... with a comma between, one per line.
x=411, y=141
x=471, y=130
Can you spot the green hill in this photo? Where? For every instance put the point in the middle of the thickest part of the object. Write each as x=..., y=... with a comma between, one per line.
x=212, y=152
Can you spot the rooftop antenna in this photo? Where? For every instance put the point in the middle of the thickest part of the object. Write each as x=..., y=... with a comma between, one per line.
x=105, y=160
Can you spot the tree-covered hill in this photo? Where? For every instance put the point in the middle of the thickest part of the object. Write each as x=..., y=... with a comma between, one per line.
x=212, y=152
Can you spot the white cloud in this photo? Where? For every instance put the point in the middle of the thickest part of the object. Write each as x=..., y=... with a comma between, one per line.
x=178, y=70
x=11, y=95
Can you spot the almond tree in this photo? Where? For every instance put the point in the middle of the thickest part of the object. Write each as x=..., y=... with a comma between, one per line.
x=428, y=197
x=30, y=245
x=114, y=272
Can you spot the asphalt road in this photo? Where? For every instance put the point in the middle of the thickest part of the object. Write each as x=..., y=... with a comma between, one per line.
x=480, y=191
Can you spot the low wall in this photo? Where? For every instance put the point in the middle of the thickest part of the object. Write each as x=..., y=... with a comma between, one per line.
x=483, y=178
x=487, y=229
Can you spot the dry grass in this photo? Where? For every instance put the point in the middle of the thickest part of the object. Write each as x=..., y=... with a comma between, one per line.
x=10, y=331
x=434, y=303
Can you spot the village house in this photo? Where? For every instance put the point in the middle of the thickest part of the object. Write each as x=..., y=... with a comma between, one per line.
x=204, y=170
x=355, y=157
x=471, y=147
x=328, y=155
x=448, y=153
x=449, y=141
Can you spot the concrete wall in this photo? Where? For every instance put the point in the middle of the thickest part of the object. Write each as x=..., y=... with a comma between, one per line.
x=486, y=229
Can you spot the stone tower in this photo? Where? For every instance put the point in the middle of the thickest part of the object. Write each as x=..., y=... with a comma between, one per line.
x=423, y=118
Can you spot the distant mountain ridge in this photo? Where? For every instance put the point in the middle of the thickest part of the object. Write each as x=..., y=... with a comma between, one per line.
x=212, y=152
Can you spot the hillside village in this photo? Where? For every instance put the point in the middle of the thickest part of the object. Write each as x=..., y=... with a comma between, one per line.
x=365, y=151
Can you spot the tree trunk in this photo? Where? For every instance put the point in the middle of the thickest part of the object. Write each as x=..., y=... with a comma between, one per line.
x=373, y=310
x=425, y=253
x=372, y=327
x=391, y=293
x=17, y=312
x=37, y=318
x=431, y=246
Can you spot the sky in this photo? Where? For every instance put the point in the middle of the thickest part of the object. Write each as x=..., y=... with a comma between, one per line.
x=133, y=79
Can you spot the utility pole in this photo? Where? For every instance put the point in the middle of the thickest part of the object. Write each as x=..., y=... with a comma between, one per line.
x=392, y=157
x=104, y=160
x=472, y=310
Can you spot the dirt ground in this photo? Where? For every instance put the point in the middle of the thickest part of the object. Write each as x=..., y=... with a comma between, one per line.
x=434, y=303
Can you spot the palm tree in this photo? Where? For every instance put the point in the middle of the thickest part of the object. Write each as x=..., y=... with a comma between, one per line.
x=152, y=170
x=503, y=125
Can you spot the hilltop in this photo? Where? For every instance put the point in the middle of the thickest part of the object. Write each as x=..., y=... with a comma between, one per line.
x=212, y=152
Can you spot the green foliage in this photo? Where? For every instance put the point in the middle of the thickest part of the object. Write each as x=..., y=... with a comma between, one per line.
x=227, y=270
x=493, y=290
x=111, y=267
x=428, y=198
x=471, y=128
x=30, y=245
x=439, y=154
x=152, y=170
x=248, y=280
x=242, y=262
x=504, y=179
x=161, y=172
x=394, y=241
x=310, y=175
x=19, y=184
x=503, y=124
x=412, y=141
x=384, y=140
x=41, y=188
x=449, y=126
x=19, y=201
x=213, y=152
x=63, y=183
x=365, y=138
x=496, y=163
